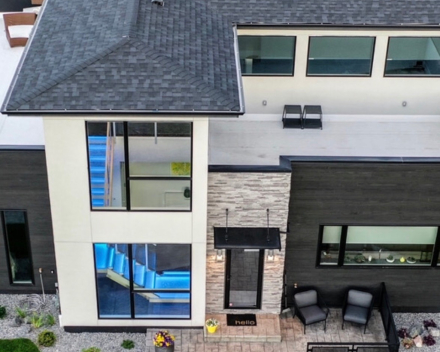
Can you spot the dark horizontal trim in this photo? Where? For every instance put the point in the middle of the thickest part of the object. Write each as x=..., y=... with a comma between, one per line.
x=247, y=168
x=247, y=238
x=286, y=160
x=106, y=113
x=142, y=210
x=324, y=26
x=133, y=329
x=25, y=291
x=419, y=309
x=22, y=147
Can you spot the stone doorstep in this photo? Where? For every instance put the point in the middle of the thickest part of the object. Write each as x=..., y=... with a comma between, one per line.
x=268, y=329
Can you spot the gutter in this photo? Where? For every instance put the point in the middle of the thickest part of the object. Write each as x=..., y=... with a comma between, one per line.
x=119, y=112
x=402, y=26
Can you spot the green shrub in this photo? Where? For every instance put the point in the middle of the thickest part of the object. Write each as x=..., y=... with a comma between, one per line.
x=46, y=338
x=21, y=312
x=49, y=320
x=91, y=349
x=127, y=344
x=2, y=312
x=18, y=345
x=37, y=321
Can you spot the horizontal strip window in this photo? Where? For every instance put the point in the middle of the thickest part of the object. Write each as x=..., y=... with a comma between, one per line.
x=377, y=246
x=413, y=56
x=340, y=56
x=140, y=165
x=266, y=55
x=157, y=284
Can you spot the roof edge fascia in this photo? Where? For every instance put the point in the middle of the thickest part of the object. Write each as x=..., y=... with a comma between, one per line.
x=39, y=113
x=402, y=26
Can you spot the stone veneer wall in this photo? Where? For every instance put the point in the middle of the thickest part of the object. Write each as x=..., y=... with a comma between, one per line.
x=247, y=196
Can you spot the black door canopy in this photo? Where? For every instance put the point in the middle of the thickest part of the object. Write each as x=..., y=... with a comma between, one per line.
x=247, y=238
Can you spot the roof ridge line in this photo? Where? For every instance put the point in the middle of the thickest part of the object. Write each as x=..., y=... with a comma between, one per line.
x=181, y=71
x=66, y=74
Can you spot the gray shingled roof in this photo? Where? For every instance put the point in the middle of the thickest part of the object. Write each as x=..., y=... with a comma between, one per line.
x=132, y=55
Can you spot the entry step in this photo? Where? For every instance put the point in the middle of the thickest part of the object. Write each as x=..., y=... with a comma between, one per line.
x=267, y=330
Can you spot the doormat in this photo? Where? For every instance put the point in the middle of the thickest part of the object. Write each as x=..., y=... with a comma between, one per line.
x=241, y=319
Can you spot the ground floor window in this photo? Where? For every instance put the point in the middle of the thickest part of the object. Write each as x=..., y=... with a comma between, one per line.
x=397, y=246
x=143, y=281
x=18, y=250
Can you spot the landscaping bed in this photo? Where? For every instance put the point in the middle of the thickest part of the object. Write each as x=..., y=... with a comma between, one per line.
x=65, y=342
x=420, y=329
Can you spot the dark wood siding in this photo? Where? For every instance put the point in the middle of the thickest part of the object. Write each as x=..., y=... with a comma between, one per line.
x=367, y=194
x=23, y=186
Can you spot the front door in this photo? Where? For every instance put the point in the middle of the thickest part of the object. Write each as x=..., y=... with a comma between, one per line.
x=244, y=278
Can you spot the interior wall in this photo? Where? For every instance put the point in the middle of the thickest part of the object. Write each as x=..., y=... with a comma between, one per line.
x=362, y=194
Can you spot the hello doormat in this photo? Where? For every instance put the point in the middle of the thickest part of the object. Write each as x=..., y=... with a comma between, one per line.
x=241, y=319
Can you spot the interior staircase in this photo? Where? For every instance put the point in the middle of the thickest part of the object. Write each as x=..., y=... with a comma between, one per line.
x=97, y=162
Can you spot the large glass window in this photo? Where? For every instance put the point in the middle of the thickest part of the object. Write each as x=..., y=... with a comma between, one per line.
x=340, y=56
x=17, y=246
x=140, y=166
x=413, y=56
x=157, y=285
x=267, y=55
x=378, y=245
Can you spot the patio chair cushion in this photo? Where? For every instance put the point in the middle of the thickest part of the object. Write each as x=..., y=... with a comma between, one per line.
x=307, y=298
x=359, y=298
x=312, y=314
x=20, y=31
x=356, y=314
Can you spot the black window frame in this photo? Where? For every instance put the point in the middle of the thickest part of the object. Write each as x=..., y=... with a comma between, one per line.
x=28, y=244
x=129, y=178
x=340, y=75
x=405, y=75
x=133, y=291
x=342, y=247
x=270, y=74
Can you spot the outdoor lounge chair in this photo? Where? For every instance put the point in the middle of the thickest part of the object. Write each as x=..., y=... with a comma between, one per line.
x=357, y=308
x=310, y=307
x=18, y=27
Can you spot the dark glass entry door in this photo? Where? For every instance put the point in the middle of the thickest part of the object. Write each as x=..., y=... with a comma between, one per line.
x=244, y=278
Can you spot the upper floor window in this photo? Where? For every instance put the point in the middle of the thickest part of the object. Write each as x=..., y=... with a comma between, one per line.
x=140, y=165
x=18, y=250
x=340, y=56
x=413, y=57
x=269, y=55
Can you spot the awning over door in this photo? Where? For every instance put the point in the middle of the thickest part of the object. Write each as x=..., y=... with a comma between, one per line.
x=247, y=237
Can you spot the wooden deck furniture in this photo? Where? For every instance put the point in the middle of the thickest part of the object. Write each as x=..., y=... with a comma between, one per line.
x=18, y=19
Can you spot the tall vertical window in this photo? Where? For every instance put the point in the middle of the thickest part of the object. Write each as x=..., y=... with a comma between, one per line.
x=340, y=56
x=267, y=55
x=140, y=165
x=17, y=245
x=143, y=281
x=413, y=57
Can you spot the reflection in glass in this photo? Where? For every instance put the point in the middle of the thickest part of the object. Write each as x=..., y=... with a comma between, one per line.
x=347, y=56
x=18, y=249
x=331, y=238
x=383, y=245
x=266, y=55
x=413, y=56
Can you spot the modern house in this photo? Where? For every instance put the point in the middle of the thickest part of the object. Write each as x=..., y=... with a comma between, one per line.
x=202, y=154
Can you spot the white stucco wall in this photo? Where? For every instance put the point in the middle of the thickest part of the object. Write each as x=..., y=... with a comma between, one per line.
x=376, y=95
x=76, y=228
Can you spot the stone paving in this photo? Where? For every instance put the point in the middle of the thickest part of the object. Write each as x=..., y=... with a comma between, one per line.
x=292, y=332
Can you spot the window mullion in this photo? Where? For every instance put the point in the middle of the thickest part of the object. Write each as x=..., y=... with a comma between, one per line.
x=342, y=245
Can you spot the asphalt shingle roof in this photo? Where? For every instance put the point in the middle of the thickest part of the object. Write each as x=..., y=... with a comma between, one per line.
x=132, y=55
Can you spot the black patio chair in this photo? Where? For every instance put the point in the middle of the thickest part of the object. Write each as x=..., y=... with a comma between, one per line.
x=357, y=308
x=310, y=307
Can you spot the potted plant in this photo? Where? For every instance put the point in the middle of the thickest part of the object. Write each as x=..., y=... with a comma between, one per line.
x=163, y=341
x=390, y=259
x=211, y=325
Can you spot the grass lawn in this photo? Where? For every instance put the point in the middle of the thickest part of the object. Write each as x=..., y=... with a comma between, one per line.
x=18, y=345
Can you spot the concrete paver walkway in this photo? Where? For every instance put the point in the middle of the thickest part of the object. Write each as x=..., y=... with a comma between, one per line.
x=293, y=337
